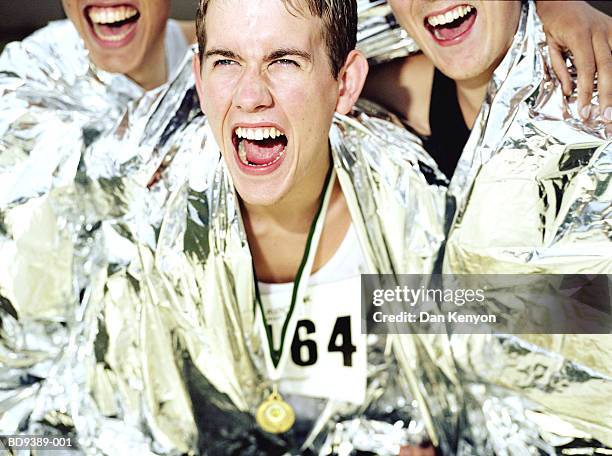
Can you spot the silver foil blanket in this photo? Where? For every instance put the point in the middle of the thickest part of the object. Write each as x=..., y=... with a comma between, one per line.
x=533, y=195
x=54, y=106
x=379, y=36
x=170, y=359
x=127, y=307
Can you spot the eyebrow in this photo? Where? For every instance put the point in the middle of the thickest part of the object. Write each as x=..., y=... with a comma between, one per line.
x=221, y=52
x=274, y=55
x=284, y=52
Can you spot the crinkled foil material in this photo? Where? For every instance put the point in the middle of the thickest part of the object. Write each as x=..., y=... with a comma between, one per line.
x=127, y=309
x=533, y=195
x=140, y=337
x=53, y=106
x=170, y=359
x=379, y=36
x=131, y=396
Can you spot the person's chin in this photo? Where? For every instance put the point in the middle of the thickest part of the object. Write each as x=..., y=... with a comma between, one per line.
x=460, y=69
x=259, y=195
x=260, y=189
x=114, y=62
x=458, y=62
x=116, y=59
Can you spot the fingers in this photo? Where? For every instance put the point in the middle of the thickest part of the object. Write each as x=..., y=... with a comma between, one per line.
x=561, y=70
x=584, y=59
x=603, y=59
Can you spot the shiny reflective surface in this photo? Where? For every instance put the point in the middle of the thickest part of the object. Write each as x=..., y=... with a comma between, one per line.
x=533, y=195
x=183, y=300
x=153, y=347
x=127, y=290
x=53, y=105
x=379, y=36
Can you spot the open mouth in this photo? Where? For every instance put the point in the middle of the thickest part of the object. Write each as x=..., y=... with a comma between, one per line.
x=259, y=149
x=452, y=25
x=112, y=25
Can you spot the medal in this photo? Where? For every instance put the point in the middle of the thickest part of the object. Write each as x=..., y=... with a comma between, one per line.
x=274, y=415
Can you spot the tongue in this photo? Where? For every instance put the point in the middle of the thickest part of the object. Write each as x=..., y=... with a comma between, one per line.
x=454, y=29
x=263, y=152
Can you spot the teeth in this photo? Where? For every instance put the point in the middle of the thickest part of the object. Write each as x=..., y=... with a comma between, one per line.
x=110, y=15
x=449, y=16
x=242, y=153
x=257, y=134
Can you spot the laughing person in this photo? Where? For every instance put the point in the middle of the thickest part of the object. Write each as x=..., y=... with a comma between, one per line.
x=440, y=92
x=485, y=101
x=133, y=38
x=530, y=187
x=229, y=321
x=271, y=95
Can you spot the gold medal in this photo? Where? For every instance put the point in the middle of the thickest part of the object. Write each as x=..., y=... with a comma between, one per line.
x=274, y=415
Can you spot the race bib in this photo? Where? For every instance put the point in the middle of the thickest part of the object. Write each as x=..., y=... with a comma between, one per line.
x=327, y=353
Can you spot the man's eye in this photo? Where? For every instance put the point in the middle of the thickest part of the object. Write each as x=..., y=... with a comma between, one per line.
x=223, y=62
x=287, y=62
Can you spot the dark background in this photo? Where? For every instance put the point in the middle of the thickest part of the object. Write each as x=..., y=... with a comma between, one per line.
x=19, y=18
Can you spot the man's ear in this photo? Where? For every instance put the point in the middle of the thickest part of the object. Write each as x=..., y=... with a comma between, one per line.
x=352, y=77
x=197, y=74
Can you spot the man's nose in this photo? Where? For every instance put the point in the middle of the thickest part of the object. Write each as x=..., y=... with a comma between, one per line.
x=252, y=94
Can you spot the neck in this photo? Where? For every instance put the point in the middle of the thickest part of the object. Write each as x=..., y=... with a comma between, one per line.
x=471, y=94
x=153, y=73
x=296, y=210
x=277, y=234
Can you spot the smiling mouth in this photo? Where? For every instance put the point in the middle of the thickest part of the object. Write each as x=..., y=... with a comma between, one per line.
x=451, y=25
x=112, y=24
x=259, y=148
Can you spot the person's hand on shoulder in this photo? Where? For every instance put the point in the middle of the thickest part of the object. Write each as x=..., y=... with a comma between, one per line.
x=577, y=27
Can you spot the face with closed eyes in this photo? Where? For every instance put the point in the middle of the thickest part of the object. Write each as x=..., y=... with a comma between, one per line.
x=122, y=36
x=463, y=39
x=269, y=95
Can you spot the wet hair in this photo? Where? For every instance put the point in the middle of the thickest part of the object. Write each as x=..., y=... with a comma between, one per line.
x=339, y=19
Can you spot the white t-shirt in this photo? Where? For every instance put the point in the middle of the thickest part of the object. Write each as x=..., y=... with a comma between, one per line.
x=328, y=355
